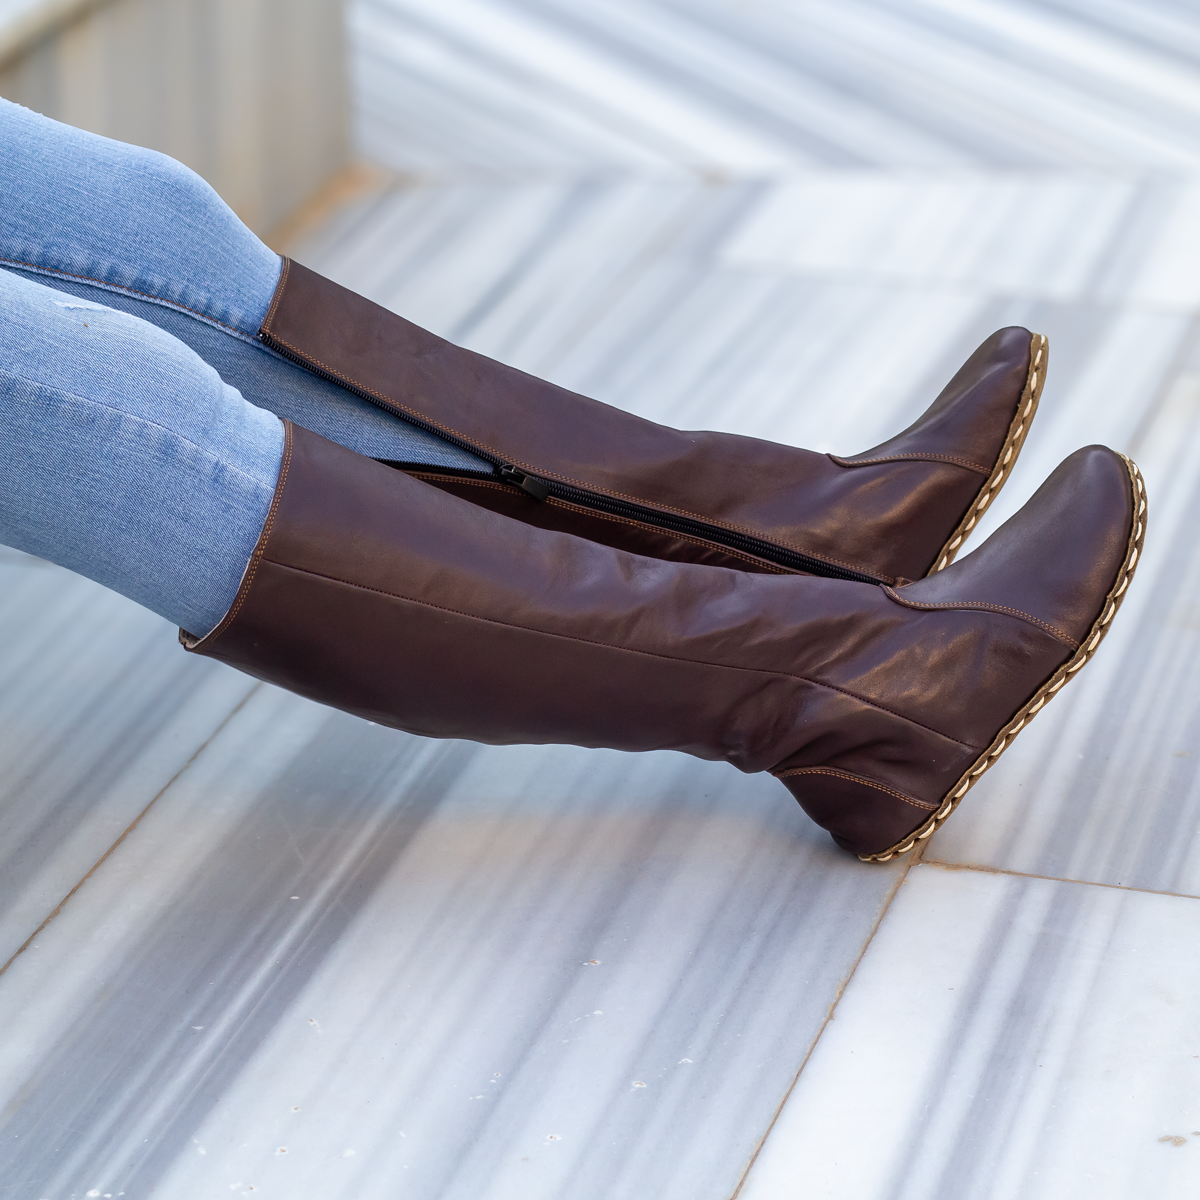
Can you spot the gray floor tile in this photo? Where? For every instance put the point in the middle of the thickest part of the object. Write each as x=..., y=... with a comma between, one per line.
x=710, y=87
x=1004, y=1039
x=99, y=710
x=1103, y=785
x=482, y=972
x=692, y=209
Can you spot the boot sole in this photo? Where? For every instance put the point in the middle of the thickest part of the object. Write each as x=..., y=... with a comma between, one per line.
x=1048, y=690
x=1039, y=349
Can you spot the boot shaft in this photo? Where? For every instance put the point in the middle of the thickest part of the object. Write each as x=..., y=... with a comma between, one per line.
x=564, y=461
x=380, y=595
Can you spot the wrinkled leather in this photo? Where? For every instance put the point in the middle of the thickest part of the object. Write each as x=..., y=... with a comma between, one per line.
x=619, y=532
x=886, y=519
x=376, y=593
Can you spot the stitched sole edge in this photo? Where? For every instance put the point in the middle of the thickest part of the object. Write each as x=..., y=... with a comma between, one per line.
x=1048, y=690
x=1039, y=350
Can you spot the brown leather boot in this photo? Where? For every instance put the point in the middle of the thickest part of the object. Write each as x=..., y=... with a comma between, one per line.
x=562, y=461
x=876, y=706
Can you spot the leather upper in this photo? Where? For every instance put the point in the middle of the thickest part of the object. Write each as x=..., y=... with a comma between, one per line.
x=888, y=520
x=379, y=594
x=1079, y=522
x=971, y=415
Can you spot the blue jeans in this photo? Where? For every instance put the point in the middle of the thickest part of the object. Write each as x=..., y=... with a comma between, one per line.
x=137, y=441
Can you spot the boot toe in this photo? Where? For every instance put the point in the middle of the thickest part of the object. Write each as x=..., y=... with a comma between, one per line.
x=1057, y=557
x=972, y=415
x=953, y=460
x=1005, y=629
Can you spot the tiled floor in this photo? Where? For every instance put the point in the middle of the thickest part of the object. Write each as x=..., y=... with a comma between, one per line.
x=303, y=957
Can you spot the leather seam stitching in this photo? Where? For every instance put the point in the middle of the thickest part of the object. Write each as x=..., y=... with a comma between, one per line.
x=951, y=605
x=683, y=537
x=917, y=456
x=261, y=549
x=840, y=774
x=622, y=649
x=283, y=274
x=429, y=477
x=434, y=477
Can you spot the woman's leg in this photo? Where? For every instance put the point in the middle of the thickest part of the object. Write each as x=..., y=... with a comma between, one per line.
x=125, y=457
x=137, y=231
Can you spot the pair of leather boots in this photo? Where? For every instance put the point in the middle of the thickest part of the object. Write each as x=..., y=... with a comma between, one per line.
x=613, y=582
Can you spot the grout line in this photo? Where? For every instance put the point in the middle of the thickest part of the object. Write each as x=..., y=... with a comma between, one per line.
x=913, y=859
x=130, y=828
x=1120, y=887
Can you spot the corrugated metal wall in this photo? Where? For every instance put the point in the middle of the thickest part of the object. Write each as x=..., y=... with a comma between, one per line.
x=252, y=94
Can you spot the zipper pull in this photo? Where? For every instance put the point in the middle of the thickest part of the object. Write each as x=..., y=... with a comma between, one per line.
x=535, y=487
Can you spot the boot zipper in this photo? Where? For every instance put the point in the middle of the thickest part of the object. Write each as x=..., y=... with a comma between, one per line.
x=537, y=488
x=542, y=489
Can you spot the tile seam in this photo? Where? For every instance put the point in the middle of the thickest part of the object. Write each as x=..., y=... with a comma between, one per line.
x=129, y=829
x=831, y=1012
x=980, y=869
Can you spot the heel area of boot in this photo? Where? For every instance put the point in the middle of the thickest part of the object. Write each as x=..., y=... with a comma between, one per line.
x=862, y=815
